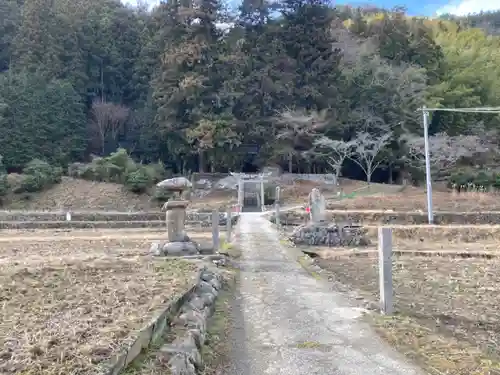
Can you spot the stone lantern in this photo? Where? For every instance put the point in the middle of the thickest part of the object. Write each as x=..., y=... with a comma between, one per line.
x=179, y=242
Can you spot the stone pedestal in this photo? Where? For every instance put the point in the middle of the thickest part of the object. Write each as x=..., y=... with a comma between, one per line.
x=175, y=219
x=179, y=243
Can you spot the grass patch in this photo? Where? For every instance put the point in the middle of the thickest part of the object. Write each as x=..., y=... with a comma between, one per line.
x=303, y=261
x=217, y=350
x=309, y=345
x=284, y=242
x=434, y=352
x=233, y=250
x=149, y=362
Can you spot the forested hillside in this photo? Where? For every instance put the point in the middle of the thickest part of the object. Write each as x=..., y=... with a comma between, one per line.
x=296, y=83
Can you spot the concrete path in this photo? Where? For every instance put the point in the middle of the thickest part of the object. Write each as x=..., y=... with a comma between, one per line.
x=289, y=323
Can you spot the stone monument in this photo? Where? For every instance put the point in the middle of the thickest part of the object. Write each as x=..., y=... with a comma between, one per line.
x=178, y=243
x=317, y=206
x=319, y=232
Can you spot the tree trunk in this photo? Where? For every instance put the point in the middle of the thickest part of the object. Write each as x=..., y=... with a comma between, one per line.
x=290, y=162
x=103, y=145
x=201, y=161
x=369, y=173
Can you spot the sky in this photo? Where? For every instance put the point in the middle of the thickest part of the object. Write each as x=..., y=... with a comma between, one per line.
x=418, y=7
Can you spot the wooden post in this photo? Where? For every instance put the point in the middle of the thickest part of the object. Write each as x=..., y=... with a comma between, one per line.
x=385, y=269
x=228, y=225
x=262, y=194
x=277, y=205
x=241, y=194
x=215, y=230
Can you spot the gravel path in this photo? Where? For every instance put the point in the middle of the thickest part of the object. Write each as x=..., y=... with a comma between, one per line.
x=286, y=322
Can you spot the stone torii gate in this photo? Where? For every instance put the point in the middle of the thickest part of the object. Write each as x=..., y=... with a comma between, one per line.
x=260, y=178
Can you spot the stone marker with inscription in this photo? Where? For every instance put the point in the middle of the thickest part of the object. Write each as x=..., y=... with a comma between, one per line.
x=319, y=232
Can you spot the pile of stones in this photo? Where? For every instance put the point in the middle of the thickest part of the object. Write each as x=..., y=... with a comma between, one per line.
x=321, y=232
x=330, y=234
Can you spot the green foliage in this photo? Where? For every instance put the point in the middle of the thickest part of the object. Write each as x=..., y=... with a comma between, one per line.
x=467, y=178
x=120, y=168
x=39, y=175
x=138, y=181
x=197, y=94
x=41, y=119
x=161, y=196
x=4, y=183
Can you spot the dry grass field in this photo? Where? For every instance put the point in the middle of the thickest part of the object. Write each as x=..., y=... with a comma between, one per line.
x=413, y=199
x=447, y=313
x=446, y=286
x=69, y=300
x=446, y=279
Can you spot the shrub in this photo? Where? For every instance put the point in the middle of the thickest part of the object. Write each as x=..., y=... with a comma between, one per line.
x=120, y=168
x=161, y=196
x=138, y=181
x=32, y=183
x=467, y=177
x=4, y=183
x=461, y=178
x=156, y=171
x=39, y=175
x=483, y=179
x=76, y=170
x=121, y=159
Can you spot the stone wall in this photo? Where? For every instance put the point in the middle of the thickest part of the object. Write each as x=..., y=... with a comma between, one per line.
x=96, y=220
x=299, y=217
x=291, y=178
x=191, y=310
x=100, y=216
x=184, y=354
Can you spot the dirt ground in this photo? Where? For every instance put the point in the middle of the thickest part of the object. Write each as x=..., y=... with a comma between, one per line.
x=413, y=199
x=69, y=300
x=81, y=195
x=440, y=236
x=447, y=313
x=138, y=236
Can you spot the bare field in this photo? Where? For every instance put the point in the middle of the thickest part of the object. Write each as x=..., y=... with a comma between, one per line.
x=412, y=199
x=434, y=236
x=439, y=235
x=104, y=233
x=447, y=312
x=69, y=303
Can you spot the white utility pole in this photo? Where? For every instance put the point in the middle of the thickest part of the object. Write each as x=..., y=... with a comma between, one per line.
x=425, y=115
x=428, y=178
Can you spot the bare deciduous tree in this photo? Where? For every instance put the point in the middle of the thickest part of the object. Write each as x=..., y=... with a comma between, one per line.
x=444, y=150
x=367, y=151
x=108, y=119
x=338, y=152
